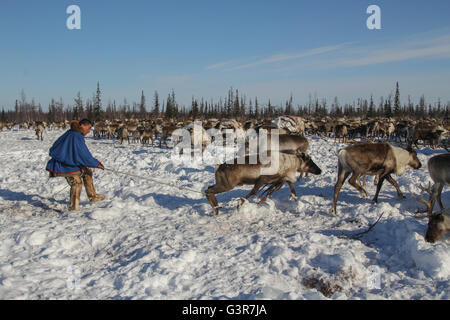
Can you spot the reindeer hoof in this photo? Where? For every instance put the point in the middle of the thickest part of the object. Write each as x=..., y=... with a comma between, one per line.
x=241, y=202
x=293, y=197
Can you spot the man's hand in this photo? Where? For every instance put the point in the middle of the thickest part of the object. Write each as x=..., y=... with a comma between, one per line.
x=100, y=166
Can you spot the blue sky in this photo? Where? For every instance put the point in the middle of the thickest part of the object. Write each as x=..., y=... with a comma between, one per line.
x=202, y=48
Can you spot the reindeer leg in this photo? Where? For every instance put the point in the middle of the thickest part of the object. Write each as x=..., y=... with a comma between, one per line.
x=395, y=184
x=379, y=185
x=210, y=195
x=364, y=180
x=293, y=195
x=437, y=191
x=268, y=188
x=354, y=181
x=274, y=188
x=255, y=189
x=342, y=176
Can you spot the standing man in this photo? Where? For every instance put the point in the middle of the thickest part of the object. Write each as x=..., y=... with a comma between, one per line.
x=71, y=159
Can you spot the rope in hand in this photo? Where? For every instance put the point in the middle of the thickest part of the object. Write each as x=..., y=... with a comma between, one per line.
x=154, y=180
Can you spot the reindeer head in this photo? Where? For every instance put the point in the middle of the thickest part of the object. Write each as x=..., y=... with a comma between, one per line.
x=414, y=161
x=436, y=227
x=307, y=165
x=438, y=223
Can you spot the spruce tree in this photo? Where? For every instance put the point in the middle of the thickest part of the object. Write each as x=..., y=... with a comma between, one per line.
x=78, y=107
x=388, y=107
x=97, y=104
x=142, y=109
x=397, y=102
x=194, y=110
x=236, y=106
x=155, y=111
x=288, y=110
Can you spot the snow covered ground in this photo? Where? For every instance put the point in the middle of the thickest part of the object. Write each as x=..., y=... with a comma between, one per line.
x=151, y=241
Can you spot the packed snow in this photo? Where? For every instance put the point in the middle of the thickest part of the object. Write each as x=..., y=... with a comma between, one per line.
x=154, y=241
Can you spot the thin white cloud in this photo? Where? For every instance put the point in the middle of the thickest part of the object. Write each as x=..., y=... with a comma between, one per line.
x=416, y=47
x=396, y=55
x=274, y=58
x=219, y=65
x=286, y=57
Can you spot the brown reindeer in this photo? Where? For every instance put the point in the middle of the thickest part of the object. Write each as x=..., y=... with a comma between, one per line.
x=122, y=133
x=381, y=159
x=427, y=133
x=437, y=226
x=340, y=131
x=228, y=176
x=147, y=135
x=166, y=133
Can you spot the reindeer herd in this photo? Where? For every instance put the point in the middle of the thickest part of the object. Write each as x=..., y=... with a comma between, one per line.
x=370, y=152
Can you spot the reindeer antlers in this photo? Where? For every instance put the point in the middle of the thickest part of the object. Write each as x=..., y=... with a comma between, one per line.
x=421, y=200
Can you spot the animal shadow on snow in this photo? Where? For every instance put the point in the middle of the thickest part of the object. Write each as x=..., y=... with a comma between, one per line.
x=430, y=152
x=325, y=192
x=388, y=238
x=172, y=202
x=189, y=171
x=29, y=198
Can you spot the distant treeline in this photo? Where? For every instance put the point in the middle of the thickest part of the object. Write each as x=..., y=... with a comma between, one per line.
x=234, y=105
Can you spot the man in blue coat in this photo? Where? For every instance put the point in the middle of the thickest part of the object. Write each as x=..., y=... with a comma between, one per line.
x=72, y=160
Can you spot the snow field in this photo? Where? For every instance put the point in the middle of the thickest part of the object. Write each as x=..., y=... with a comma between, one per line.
x=152, y=241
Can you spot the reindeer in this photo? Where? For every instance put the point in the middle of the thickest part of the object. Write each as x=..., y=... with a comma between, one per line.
x=40, y=132
x=136, y=136
x=437, y=226
x=166, y=133
x=439, y=169
x=123, y=134
x=198, y=137
x=438, y=223
x=147, y=135
x=112, y=129
x=425, y=132
x=389, y=130
x=340, y=131
x=381, y=159
x=402, y=131
x=293, y=144
x=228, y=176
